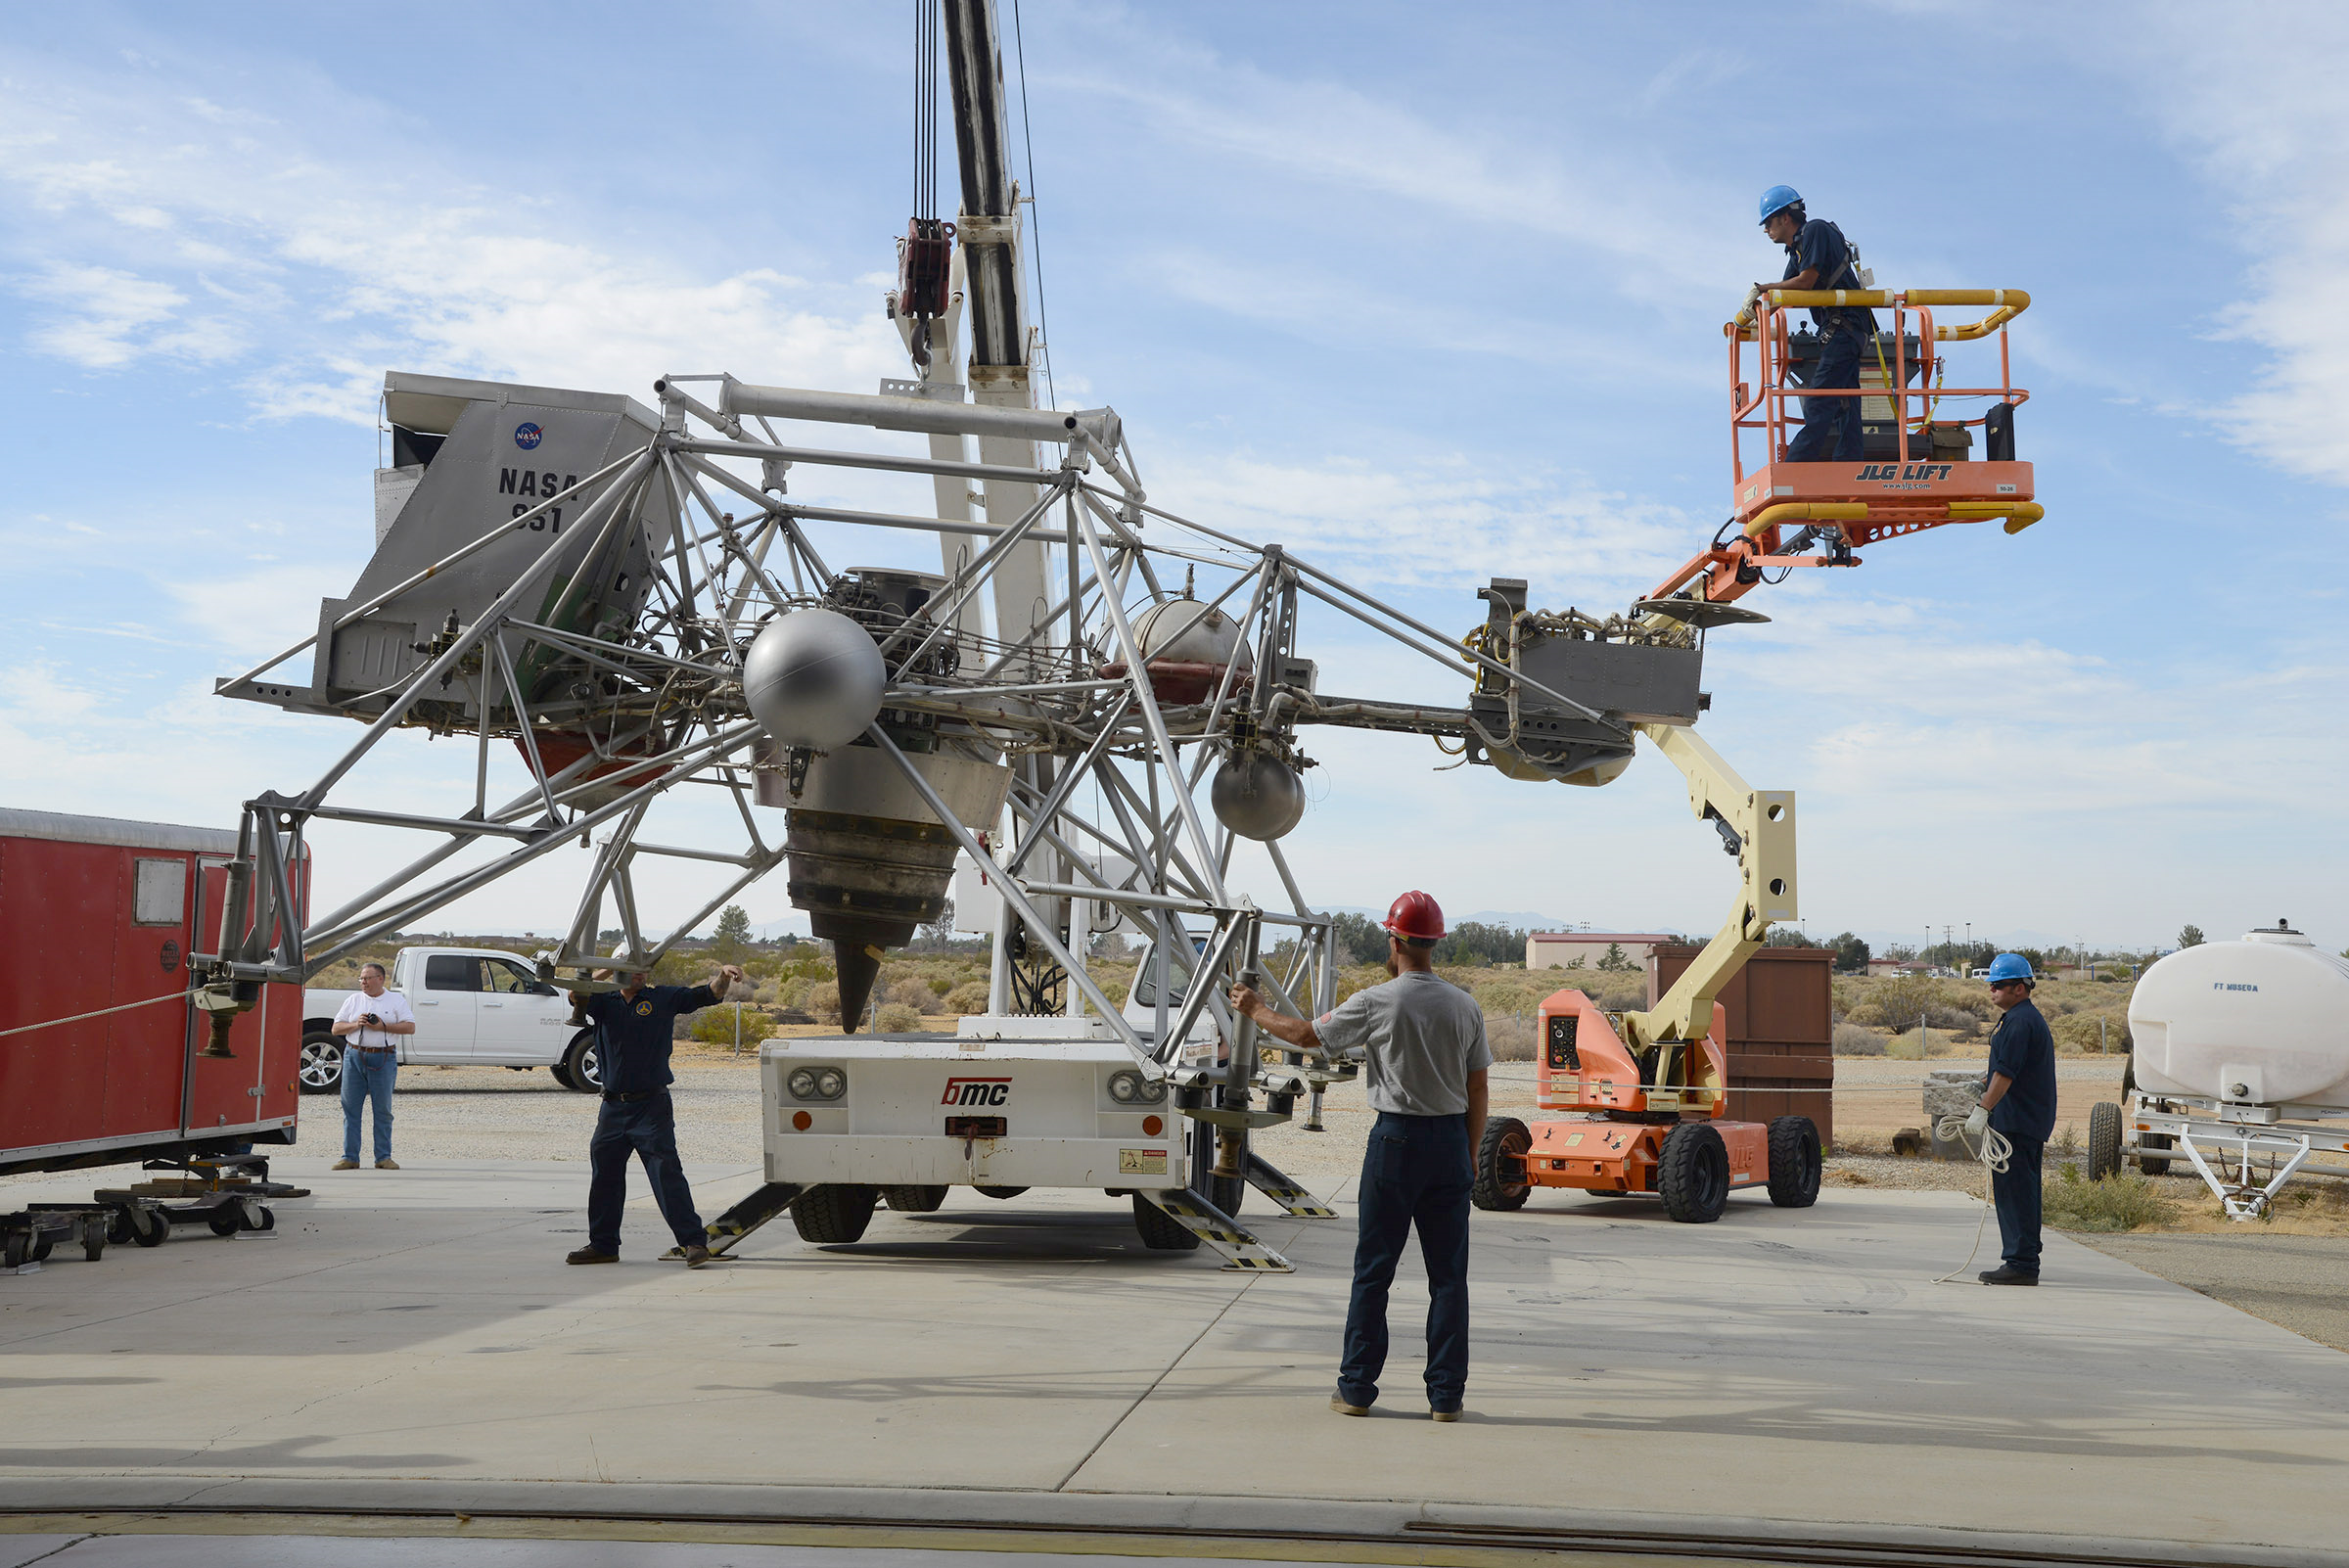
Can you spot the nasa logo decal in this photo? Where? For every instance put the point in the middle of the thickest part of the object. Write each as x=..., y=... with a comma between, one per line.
x=528, y=437
x=644, y=1010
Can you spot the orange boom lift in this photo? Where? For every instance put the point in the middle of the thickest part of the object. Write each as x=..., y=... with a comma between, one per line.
x=1641, y=1095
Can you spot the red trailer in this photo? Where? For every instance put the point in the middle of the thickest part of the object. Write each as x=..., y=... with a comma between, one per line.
x=102, y=1054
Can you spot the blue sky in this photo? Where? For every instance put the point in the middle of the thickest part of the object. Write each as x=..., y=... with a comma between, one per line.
x=1432, y=293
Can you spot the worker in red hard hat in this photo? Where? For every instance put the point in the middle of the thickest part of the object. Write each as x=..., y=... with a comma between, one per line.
x=1424, y=1061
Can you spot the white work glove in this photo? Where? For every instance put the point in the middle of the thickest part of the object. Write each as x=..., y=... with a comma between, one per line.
x=1745, y=312
x=1977, y=1123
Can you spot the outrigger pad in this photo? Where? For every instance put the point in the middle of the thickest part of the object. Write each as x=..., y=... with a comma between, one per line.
x=1241, y=1250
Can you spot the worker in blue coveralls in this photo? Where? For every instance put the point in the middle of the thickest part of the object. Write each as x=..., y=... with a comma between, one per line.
x=1819, y=257
x=2019, y=1103
x=634, y=1029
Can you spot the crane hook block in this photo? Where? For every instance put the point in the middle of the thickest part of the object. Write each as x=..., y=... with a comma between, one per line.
x=924, y=263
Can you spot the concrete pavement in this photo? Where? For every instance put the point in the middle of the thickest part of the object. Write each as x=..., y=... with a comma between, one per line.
x=413, y=1340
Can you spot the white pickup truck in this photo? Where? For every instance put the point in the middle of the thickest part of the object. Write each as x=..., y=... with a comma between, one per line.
x=472, y=1005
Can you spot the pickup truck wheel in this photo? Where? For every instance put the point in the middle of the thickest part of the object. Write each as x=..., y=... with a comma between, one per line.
x=837, y=1212
x=321, y=1069
x=583, y=1065
x=561, y=1073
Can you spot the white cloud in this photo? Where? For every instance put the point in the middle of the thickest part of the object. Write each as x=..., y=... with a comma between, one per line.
x=2258, y=108
x=176, y=228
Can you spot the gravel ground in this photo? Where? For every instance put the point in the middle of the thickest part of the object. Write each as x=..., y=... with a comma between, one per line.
x=2298, y=1282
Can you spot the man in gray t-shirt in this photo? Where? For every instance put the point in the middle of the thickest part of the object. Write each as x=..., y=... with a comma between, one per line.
x=1426, y=1055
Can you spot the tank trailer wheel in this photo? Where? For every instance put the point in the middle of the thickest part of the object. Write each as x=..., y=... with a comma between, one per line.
x=1693, y=1175
x=999, y=1192
x=1500, y=1176
x=836, y=1212
x=913, y=1200
x=321, y=1066
x=2145, y=1162
x=1160, y=1230
x=1794, y=1162
x=2103, y=1140
x=583, y=1065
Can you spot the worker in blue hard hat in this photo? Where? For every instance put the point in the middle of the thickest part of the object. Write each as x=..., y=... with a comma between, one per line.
x=2019, y=1104
x=1817, y=256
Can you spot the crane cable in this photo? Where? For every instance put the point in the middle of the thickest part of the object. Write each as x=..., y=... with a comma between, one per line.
x=1994, y=1153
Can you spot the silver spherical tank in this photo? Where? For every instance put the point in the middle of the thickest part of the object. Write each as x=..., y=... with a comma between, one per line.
x=813, y=678
x=1257, y=797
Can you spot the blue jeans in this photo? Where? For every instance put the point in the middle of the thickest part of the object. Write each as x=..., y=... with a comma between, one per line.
x=368, y=1075
x=647, y=1128
x=1830, y=430
x=2015, y=1193
x=1415, y=1172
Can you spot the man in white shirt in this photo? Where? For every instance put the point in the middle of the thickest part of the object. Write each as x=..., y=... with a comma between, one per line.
x=367, y=1022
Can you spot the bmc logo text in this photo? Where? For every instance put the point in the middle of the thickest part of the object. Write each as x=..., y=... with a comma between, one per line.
x=528, y=437
x=1905, y=470
x=976, y=1091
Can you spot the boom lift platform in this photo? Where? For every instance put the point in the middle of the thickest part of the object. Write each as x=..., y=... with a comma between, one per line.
x=1648, y=1089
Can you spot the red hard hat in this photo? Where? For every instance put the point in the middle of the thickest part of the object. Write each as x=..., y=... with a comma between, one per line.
x=1415, y=914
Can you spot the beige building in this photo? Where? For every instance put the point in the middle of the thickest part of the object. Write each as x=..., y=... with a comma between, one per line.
x=1558, y=949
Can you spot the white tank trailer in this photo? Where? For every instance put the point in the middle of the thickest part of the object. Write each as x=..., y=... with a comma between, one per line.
x=2240, y=1052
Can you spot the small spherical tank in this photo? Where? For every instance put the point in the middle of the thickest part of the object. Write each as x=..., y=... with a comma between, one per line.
x=1257, y=797
x=813, y=678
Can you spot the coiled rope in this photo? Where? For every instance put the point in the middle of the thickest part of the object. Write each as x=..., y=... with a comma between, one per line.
x=1994, y=1154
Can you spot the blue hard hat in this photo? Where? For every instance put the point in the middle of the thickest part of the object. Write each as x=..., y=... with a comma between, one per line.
x=2010, y=966
x=1778, y=199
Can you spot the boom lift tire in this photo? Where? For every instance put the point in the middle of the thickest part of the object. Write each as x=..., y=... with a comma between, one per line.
x=1501, y=1178
x=1693, y=1174
x=836, y=1212
x=321, y=1063
x=2103, y=1140
x=582, y=1067
x=914, y=1200
x=1160, y=1230
x=1794, y=1162
x=1228, y=1193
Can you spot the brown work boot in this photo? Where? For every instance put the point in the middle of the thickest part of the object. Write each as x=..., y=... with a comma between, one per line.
x=387, y=1165
x=1337, y=1402
x=590, y=1255
x=695, y=1257
x=345, y=1165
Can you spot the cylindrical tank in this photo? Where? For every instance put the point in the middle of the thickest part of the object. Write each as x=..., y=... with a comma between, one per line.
x=1188, y=646
x=2263, y=1021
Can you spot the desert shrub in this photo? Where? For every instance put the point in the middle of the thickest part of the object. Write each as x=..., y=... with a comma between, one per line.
x=1868, y=1013
x=896, y=1018
x=1940, y=1015
x=2120, y=1202
x=940, y=985
x=2078, y=1032
x=914, y=991
x=1858, y=1040
x=714, y=1026
x=1511, y=1037
x=968, y=997
x=824, y=1001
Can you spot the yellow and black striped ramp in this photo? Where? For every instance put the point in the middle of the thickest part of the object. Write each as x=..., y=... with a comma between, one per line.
x=1267, y=1179
x=1220, y=1230
x=765, y=1203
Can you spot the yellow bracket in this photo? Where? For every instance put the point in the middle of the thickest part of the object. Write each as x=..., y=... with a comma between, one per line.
x=2019, y=515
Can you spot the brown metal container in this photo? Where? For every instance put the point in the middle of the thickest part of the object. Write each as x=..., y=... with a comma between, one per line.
x=1782, y=1017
